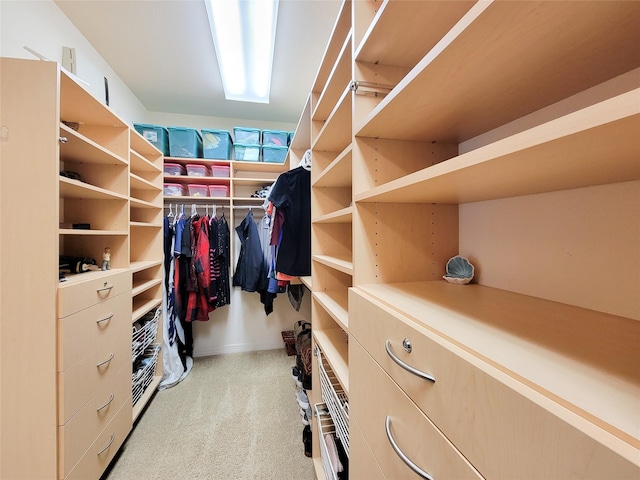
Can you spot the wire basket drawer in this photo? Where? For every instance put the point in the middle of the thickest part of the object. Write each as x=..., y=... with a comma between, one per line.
x=335, y=398
x=143, y=372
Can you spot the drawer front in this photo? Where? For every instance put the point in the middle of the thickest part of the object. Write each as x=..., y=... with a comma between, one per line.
x=362, y=463
x=82, y=381
x=84, y=331
x=98, y=287
x=77, y=435
x=504, y=428
x=102, y=450
x=374, y=400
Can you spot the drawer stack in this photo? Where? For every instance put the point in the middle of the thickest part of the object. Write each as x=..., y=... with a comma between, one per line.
x=455, y=415
x=94, y=368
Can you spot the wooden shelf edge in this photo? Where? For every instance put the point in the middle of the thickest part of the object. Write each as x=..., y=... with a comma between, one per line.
x=342, y=264
x=336, y=350
x=143, y=309
x=141, y=265
x=335, y=303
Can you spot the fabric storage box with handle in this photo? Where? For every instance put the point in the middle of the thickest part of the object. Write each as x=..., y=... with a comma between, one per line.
x=196, y=190
x=220, y=171
x=216, y=144
x=274, y=154
x=174, y=169
x=247, y=136
x=156, y=135
x=194, y=170
x=275, y=137
x=174, y=190
x=218, y=191
x=185, y=142
x=248, y=153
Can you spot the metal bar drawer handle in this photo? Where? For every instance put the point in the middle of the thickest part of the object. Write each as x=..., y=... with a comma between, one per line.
x=402, y=455
x=106, y=361
x=108, y=317
x=406, y=366
x=106, y=404
x=113, y=437
x=105, y=287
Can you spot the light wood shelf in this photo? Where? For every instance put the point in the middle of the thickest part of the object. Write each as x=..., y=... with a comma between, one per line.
x=78, y=148
x=141, y=306
x=143, y=265
x=412, y=40
x=338, y=173
x=335, y=349
x=335, y=302
x=493, y=89
x=140, y=183
x=343, y=264
x=344, y=215
x=334, y=134
x=339, y=77
x=143, y=286
x=137, y=203
x=592, y=143
x=75, y=189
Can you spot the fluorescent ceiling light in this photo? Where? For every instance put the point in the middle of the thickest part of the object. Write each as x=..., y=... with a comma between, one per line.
x=244, y=34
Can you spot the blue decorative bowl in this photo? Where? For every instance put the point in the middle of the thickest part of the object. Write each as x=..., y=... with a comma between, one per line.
x=459, y=270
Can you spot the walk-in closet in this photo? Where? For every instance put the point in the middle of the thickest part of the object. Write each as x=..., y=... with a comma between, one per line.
x=394, y=239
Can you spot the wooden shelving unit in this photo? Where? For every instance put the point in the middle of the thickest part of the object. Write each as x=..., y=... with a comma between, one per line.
x=73, y=414
x=503, y=132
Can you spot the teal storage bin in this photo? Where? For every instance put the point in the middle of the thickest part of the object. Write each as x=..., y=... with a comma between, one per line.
x=185, y=142
x=274, y=153
x=275, y=137
x=216, y=144
x=154, y=134
x=246, y=136
x=248, y=153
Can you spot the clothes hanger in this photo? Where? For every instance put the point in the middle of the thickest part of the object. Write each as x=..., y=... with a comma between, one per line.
x=305, y=162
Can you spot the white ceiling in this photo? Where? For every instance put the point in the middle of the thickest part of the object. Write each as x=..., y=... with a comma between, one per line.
x=162, y=50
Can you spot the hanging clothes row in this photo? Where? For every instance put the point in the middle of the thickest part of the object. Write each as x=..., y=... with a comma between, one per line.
x=197, y=259
x=278, y=248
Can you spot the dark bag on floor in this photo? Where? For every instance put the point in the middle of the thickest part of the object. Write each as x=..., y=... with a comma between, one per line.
x=302, y=332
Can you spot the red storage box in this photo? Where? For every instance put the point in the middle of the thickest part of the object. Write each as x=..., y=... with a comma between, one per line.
x=197, y=190
x=220, y=171
x=173, y=169
x=218, y=191
x=174, y=190
x=197, y=170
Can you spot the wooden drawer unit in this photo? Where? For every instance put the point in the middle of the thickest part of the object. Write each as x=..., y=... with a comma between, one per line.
x=83, y=428
x=81, y=292
x=83, y=331
x=105, y=446
x=504, y=428
x=80, y=382
x=378, y=404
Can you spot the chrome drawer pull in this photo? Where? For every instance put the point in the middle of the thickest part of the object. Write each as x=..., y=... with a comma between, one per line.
x=106, y=404
x=108, y=317
x=402, y=455
x=406, y=366
x=113, y=437
x=105, y=287
x=106, y=361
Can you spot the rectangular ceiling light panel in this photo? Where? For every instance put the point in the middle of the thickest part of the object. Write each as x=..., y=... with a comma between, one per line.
x=244, y=33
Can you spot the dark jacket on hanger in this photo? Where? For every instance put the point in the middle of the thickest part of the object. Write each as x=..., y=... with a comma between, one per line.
x=252, y=269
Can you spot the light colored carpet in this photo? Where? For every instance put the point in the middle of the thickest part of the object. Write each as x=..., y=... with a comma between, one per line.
x=234, y=417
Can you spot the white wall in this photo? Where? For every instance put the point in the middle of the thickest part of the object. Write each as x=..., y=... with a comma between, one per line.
x=41, y=25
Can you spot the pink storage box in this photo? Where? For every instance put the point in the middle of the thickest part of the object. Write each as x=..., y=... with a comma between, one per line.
x=197, y=170
x=173, y=169
x=174, y=190
x=220, y=171
x=218, y=191
x=197, y=190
